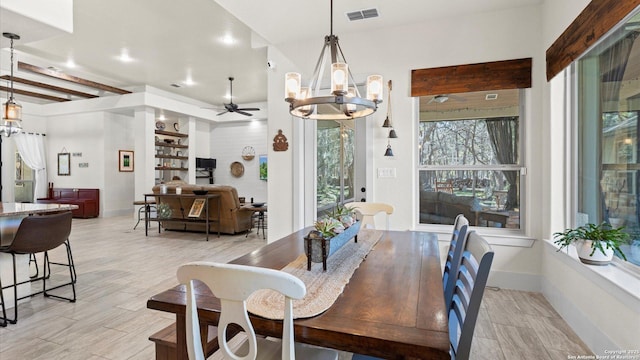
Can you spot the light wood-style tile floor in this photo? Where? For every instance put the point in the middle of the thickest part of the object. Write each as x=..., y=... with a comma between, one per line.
x=119, y=269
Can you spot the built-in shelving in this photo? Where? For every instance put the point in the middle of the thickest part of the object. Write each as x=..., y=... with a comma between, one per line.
x=171, y=154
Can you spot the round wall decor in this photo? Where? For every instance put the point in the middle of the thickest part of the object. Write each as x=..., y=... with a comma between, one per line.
x=160, y=125
x=237, y=169
x=248, y=153
x=176, y=126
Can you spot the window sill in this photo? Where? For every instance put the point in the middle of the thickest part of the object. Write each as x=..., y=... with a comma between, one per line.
x=497, y=237
x=618, y=279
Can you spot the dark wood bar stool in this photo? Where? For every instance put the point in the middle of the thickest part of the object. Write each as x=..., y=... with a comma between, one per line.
x=37, y=234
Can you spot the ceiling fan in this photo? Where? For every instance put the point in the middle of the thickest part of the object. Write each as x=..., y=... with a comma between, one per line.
x=445, y=97
x=231, y=107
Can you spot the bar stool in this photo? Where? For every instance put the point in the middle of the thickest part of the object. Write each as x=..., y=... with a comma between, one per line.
x=149, y=205
x=38, y=234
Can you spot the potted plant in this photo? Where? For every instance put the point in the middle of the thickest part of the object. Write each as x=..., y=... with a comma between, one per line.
x=595, y=244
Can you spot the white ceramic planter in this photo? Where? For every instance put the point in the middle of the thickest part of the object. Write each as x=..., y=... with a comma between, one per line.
x=598, y=258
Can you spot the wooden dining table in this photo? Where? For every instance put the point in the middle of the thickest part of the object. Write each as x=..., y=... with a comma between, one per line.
x=392, y=307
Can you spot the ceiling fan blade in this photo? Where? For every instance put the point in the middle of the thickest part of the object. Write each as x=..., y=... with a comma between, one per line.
x=243, y=112
x=249, y=109
x=224, y=112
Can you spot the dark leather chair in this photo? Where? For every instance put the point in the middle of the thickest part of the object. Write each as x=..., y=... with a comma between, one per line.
x=37, y=234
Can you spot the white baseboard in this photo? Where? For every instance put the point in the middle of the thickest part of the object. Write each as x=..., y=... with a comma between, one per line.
x=515, y=281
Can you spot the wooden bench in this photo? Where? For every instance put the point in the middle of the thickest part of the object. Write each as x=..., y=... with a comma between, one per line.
x=166, y=342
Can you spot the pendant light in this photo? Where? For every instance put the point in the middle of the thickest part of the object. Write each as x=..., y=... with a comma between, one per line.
x=388, y=152
x=11, y=111
x=344, y=102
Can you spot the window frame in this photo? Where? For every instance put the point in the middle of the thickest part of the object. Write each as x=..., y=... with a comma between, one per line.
x=501, y=236
x=572, y=103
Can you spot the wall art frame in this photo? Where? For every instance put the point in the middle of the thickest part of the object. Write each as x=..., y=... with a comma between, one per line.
x=64, y=164
x=125, y=160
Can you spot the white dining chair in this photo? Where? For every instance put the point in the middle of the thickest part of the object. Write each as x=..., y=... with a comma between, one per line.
x=366, y=212
x=471, y=280
x=233, y=284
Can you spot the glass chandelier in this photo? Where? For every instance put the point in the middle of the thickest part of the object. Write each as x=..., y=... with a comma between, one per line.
x=11, y=111
x=344, y=101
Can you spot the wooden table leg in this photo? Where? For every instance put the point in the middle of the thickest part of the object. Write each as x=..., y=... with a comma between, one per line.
x=181, y=333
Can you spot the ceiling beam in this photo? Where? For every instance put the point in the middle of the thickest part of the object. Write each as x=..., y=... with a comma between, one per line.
x=33, y=94
x=496, y=75
x=74, y=79
x=594, y=22
x=48, y=87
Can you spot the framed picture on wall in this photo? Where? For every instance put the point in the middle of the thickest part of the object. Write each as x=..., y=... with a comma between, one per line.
x=125, y=162
x=64, y=164
x=262, y=160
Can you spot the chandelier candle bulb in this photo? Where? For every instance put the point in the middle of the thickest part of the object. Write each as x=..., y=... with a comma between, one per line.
x=305, y=93
x=292, y=85
x=339, y=78
x=374, y=87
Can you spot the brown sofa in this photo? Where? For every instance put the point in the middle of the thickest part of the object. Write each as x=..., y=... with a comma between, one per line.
x=232, y=219
x=438, y=207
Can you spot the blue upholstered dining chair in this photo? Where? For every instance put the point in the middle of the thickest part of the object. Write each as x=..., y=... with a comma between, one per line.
x=454, y=256
x=233, y=284
x=471, y=280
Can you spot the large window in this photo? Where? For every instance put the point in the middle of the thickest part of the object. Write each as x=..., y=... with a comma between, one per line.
x=608, y=102
x=469, y=158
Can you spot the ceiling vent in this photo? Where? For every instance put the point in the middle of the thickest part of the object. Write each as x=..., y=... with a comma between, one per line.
x=175, y=85
x=491, y=97
x=362, y=14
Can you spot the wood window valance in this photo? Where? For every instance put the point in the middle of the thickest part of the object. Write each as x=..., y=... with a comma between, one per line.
x=598, y=18
x=496, y=75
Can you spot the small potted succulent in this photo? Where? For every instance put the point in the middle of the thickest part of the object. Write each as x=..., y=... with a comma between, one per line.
x=595, y=244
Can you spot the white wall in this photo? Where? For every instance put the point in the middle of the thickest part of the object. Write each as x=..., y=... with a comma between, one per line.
x=118, y=192
x=227, y=142
x=97, y=136
x=284, y=183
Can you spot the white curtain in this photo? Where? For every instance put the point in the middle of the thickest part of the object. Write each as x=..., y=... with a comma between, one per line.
x=31, y=149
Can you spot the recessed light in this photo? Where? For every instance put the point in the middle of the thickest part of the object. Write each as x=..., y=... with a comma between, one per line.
x=189, y=82
x=124, y=56
x=227, y=39
x=70, y=64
